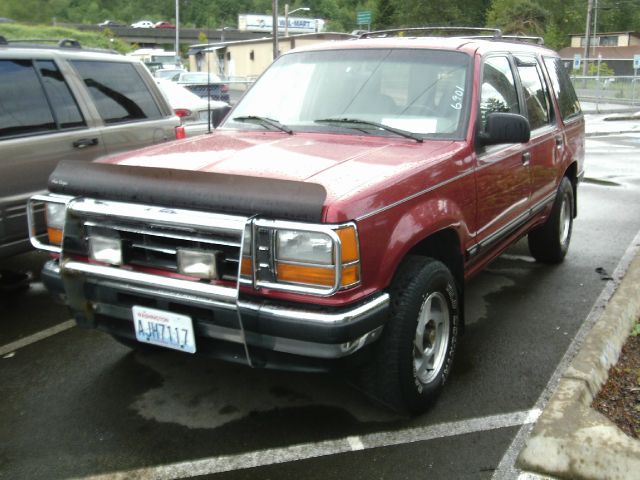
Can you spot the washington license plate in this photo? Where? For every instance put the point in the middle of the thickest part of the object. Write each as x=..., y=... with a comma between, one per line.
x=165, y=329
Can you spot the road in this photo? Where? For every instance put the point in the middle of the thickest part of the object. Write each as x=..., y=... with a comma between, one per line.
x=76, y=403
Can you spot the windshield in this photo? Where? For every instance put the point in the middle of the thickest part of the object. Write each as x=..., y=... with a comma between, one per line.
x=417, y=91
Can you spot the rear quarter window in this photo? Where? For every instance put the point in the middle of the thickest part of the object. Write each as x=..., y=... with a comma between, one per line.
x=118, y=90
x=562, y=88
x=536, y=94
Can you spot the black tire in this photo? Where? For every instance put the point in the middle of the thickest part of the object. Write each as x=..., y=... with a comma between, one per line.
x=422, y=286
x=550, y=242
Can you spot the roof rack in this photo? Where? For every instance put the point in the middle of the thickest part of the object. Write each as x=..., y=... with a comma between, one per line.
x=463, y=32
x=401, y=32
x=513, y=38
x=64, y=43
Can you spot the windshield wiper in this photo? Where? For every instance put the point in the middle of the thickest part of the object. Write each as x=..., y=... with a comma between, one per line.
x=357, y=121
x=263, y=121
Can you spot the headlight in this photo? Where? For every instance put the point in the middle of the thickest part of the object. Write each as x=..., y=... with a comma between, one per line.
x=47, y=212
x=302, y=258
x=304, y=247
x=55, y=214
x=197, y=263
x=105, y=249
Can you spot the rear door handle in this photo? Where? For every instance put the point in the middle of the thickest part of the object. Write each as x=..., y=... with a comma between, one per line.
x=559, y=141
x=85, y=142
x=526, y=158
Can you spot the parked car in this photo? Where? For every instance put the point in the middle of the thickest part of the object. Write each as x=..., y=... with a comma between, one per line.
x=204, y=84
x=193, y=111
x=110, y=23
x=332, y=220
x=67, y=102
x=143, y=24
x=164, y=25
x=169, y=73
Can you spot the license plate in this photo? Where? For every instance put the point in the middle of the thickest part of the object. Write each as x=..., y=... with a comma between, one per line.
x=204, y=116
x=165, y=329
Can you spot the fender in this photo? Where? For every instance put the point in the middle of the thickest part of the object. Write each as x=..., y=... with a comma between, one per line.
x=391, y=235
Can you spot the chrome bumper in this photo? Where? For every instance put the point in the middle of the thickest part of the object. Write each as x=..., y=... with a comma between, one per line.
x=327, y=333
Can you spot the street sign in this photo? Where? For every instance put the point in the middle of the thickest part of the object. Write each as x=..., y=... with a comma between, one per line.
x=363, y=18
x=577, y=59
x=636, y=62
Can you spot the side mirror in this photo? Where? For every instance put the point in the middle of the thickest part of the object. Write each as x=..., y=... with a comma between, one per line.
x=505, y=128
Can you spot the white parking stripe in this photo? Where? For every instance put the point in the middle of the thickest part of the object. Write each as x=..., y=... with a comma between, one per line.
x=355, y=443
x=304, y=451
x=36, y=337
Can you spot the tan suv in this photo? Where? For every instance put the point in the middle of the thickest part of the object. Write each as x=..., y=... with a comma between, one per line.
x=66, y=102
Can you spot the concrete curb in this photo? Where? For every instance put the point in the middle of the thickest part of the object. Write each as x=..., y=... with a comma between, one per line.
x=570, y=439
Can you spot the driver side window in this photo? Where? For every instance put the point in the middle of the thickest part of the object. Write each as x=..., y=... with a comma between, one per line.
x=498, y=86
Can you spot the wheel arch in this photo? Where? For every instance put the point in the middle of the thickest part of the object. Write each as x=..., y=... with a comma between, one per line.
x=572, y=174
x=445, y=246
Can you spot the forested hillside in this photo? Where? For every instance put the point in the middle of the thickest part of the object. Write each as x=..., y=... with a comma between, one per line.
x=554, y=19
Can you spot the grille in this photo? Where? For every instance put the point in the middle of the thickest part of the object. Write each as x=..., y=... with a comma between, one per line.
x=158, y=247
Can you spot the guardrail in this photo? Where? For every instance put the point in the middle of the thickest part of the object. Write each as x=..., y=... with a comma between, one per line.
x=240, y=84
x=608, y=93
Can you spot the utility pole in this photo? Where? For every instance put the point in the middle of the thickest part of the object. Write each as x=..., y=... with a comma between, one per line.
x=178, y=59
x=274, y=30
x=587, y=37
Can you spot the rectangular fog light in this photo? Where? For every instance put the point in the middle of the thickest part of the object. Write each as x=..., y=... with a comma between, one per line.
x=105, y=249
x=197, y=263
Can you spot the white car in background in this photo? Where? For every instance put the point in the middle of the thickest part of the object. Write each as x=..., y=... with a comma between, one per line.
x=143, y=24
x=193, y=110
x=169, y=73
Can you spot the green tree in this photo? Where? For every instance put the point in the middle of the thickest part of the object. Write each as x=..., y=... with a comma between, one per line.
x=384, y=14
x=602, y=69
x=519, y=17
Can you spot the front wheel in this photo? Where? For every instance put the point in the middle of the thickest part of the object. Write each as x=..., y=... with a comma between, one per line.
x=550, y=242
x=414, y=355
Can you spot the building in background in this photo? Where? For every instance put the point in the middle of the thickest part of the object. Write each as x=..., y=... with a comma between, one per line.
x=616, y=49
x=264, y=23
x=247, y=59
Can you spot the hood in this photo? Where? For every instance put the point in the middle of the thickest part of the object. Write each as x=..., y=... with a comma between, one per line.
x=344, y=165
x=340, y=163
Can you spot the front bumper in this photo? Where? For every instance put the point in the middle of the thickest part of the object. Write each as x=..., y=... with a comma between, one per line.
x=242, y=329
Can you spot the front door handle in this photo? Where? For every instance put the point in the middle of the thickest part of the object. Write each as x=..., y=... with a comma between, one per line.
x=526, y=158
x=85, y=142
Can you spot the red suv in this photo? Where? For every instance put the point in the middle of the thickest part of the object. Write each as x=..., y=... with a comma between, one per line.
x=331, y=222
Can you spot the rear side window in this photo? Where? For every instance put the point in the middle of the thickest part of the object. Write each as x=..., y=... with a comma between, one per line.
x=563, y=88
x=118, y=90
x=535, y=93
x=23, y=105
